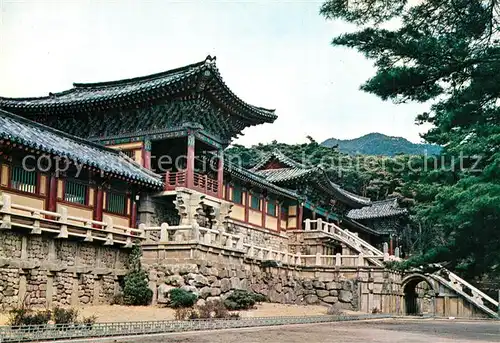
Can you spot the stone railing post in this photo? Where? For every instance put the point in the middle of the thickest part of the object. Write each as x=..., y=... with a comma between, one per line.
x=361, y=260
x=36, y=225
x=385, y=249
x=319, y=224
x=396, y=252
x=338, y=260
x=260, y=255
x=299, y=260
x=5, y=205
x=239, y=243
x=164, y=232
x=318, y=258
x=308, y=224
x=229, y=242
x=63, y=219
x=250, y=251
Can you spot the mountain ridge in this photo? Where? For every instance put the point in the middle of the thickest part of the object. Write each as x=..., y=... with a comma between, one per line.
x=379, y=144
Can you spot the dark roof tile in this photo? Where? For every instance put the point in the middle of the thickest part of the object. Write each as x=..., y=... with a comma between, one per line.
x=49, y=140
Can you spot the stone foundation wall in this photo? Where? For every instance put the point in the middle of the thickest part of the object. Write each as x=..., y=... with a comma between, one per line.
x=214, y=272
x=45, y=271
x=280, y=285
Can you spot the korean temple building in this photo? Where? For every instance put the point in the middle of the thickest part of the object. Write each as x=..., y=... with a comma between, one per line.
x=143, y=149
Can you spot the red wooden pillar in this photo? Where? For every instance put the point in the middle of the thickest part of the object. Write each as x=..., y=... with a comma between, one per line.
x=52, y=193
x=146, y=154
x=263, y=224
x=391, y=247
x=278, y=214
x=133, y=211
x=190, y=160
x=228, y=188
x=220, y=175
x=247, y=205
x=300, y=212
x=99, y=203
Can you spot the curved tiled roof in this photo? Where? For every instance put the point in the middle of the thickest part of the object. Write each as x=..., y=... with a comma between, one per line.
x=284, y=174
x=295, y=171
x=278, y=155
x=257, y=180
x=378, y=209
x=48, y=140
x=83, y=97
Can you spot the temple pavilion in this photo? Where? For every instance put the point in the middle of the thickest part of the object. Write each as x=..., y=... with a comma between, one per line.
x=174, y=126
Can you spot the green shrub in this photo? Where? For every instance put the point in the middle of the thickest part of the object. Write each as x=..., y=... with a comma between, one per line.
x=64, y=316
x=213, y=309
x=19, y=317
x=89, y=321
x=242, y=300
x=185, y=314
x=136, y=290
x=181, y=298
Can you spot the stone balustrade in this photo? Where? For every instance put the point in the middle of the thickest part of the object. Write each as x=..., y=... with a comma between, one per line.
x=64, y=225
x=194, y=234
x=343, y=235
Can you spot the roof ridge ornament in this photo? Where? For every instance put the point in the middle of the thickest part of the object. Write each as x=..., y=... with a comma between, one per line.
x=209, y=60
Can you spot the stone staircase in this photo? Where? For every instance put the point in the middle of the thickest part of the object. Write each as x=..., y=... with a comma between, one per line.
x=442, y=276
x=479, y=299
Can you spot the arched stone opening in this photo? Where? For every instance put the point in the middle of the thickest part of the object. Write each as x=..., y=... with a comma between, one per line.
x=419, y=295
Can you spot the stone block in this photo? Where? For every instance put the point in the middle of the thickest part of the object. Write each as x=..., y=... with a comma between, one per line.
x=235, y=283
x=333, y=285
x=347, y=285
x=322, y=293
x=311, y=299
x=318, y=284
x=345, y=296
x=330, y=299
x=174, y=280
x=334, y=293
x=307, y=284
x=200, y=280
x=225, y=285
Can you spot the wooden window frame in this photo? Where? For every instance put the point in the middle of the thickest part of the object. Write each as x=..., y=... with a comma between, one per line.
x=275, y=204
x=36, y=190
x=259, y=202
x=240, y=190
x=124, y=210
x=86, y=196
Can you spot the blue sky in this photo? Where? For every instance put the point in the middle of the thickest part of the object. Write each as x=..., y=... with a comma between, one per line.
x=274, y=54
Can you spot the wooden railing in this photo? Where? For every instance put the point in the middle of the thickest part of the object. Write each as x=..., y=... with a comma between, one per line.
x=206, y=184
x=194, y=234
x=201, y=182
x=64, y=225
x=175, y=179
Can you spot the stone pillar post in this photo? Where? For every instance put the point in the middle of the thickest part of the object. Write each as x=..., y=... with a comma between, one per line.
x=146, y=210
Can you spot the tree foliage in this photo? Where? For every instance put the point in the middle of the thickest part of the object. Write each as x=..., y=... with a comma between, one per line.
x=447, y=53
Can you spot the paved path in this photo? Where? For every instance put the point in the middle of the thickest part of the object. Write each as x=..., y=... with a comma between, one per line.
x=379, y=331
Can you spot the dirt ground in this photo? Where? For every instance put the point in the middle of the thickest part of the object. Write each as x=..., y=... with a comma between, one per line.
x=115, y=313
x=379, y=331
